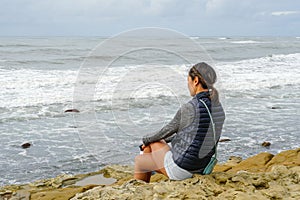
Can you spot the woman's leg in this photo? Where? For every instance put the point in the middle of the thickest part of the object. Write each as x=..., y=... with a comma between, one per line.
x=159, y=150
x=152, y=159
x=145, y=176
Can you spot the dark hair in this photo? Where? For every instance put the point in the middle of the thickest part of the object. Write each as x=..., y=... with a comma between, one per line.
x=207, y=77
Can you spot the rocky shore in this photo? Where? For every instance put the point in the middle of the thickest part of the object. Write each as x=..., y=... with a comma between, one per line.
x=263, y=176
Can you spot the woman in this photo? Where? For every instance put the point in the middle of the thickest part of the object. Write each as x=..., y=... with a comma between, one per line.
x=190, y=133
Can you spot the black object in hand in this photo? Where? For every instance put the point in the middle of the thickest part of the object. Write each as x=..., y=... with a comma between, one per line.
x=141, y=147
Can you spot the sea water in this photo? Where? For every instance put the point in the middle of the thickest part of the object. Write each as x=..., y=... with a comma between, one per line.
x=259, y=87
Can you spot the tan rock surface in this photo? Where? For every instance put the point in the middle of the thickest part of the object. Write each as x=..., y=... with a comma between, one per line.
x=263, y=176
x=255, y=163
x=59, y=194
x=287, y=158
x=280, y=183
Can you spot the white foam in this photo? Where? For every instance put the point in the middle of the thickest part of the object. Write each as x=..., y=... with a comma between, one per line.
x=27, y=87
x=246, y=42
x=251, y=74
x=140, y=81
x=223, y=38
x=21, y=88
x=261, y=73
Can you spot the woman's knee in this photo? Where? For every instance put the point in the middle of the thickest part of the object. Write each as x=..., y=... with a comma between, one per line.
x=161, y=145
x=143, y=164
x=143, y=159
x=138, y=159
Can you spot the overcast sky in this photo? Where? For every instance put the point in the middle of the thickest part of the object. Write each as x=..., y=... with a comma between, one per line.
x=109, y=17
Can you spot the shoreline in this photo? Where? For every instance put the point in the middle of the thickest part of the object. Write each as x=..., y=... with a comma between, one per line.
x=262, y=176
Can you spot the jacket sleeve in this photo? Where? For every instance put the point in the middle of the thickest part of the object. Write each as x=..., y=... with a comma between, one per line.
x=166, y=131
x=169, y=139
x=172, y=127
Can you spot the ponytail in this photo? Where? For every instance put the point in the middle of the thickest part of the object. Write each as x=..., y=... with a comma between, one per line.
x=214, y=94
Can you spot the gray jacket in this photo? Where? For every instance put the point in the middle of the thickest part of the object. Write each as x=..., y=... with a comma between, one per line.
x=191, y=134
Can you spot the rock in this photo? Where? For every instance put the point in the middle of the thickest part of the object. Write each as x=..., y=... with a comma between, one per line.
x=275, y=107
x=222, y=178
x=276, y=192
x=224, y=140
x=59, y=194
x=57, y=182
x=260, y=182
x=158, y=177
x=160, y=189
x=20, y=195
x=266, y=144
x=26, y=145
x=288, y=158
x=231, y=162
x=72, y=110
x=7, y=194
x=253, y=164
x=280, y=171
x=221, y=168
x=262, y=176
x=296, y=169
x=238, y=195
x=118, y=172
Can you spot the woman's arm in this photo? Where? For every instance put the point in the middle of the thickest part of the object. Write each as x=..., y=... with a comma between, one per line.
x=181, y=119
x=166, y=131
x=170, y=138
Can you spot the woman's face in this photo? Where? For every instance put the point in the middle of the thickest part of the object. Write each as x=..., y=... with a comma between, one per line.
x=191, y=86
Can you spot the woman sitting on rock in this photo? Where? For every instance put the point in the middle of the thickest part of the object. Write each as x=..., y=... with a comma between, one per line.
x=190, y=132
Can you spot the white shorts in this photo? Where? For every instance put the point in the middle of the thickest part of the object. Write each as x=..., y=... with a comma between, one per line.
x=175, y=172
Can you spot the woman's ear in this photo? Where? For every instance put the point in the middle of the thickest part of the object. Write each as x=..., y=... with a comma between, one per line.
x=196, y=81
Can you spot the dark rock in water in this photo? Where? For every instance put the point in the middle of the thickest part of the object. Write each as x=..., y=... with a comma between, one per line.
x=266, y=144
x=224, y=140
x=72, y=110
x=275, y=107
x=275, y=87
x=72, y=126
x=26, y=145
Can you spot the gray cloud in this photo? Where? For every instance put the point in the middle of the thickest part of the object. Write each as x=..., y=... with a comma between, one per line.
x=282, y=13
x=103, y=17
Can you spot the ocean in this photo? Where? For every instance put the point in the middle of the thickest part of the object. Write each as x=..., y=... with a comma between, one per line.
x=136, y=94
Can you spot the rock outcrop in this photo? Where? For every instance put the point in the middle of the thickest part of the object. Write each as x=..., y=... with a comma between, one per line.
x=280, y=183
x=263, y=176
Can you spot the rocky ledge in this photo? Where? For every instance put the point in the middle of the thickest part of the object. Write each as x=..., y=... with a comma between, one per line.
x=263, y=176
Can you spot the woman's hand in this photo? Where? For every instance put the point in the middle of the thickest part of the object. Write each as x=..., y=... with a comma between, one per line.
x=142, y=147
